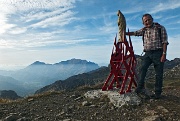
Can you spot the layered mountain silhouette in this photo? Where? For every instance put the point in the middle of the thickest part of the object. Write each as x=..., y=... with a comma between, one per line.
x=89, y=78
x=39, y=74
x=9, y=83
x=40, y=77
x=171, y=72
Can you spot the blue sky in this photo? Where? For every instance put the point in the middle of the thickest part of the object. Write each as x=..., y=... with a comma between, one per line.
x=56, y=30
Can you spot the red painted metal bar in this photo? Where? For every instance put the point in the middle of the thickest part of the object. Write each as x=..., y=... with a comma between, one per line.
x=123, y=63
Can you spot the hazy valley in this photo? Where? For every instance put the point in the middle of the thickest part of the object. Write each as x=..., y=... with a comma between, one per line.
x=39, y=74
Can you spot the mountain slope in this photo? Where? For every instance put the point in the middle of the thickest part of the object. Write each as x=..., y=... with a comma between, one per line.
x=8, y=83
x=73, y=106
x=101, y=74
x=40, y=74
x=90, y=78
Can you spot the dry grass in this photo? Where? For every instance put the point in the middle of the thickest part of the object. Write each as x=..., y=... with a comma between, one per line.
x=175, y=83
x=30, y=98
x=45, y=94
x=5, y=100
x=90, y=87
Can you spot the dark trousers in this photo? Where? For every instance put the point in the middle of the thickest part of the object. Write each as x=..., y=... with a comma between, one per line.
x=149, y=58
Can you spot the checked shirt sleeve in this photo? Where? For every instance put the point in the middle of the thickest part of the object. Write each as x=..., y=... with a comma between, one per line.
x=164, y=35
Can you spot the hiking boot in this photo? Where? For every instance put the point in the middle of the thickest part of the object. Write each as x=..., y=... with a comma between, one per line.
x=142, y=93
x=137, y=90
x=156, y=96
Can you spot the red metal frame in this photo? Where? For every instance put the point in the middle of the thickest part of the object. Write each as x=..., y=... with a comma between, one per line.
x=123, y=63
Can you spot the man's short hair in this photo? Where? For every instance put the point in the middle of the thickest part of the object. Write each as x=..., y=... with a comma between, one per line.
x=147, y=14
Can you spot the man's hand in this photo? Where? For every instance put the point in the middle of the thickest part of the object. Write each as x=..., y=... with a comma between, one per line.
x=163, y=58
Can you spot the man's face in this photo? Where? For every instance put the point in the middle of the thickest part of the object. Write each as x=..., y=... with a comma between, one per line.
x=147, y=21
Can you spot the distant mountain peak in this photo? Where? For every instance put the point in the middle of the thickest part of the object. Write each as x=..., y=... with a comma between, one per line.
x=38, y=63
x=75, y=61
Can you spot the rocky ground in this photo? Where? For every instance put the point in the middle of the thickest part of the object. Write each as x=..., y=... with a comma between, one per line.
x=73, y=106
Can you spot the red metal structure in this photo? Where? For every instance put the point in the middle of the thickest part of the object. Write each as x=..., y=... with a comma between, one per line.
x=123, y=63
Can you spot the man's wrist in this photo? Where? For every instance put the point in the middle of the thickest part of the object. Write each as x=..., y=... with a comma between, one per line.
x=164, y=53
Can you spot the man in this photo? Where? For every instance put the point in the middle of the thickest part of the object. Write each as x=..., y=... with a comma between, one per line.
x=155, y=46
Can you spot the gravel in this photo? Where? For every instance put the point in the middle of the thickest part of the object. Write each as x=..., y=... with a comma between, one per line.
x=74, y=106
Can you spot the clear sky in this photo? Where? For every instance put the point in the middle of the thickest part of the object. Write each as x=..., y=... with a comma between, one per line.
x=51, y=31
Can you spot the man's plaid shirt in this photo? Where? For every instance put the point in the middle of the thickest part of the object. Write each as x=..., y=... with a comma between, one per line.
x=152, y=39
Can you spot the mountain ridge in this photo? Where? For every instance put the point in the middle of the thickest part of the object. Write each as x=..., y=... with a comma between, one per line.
x=96, y=76
x=39, y=74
